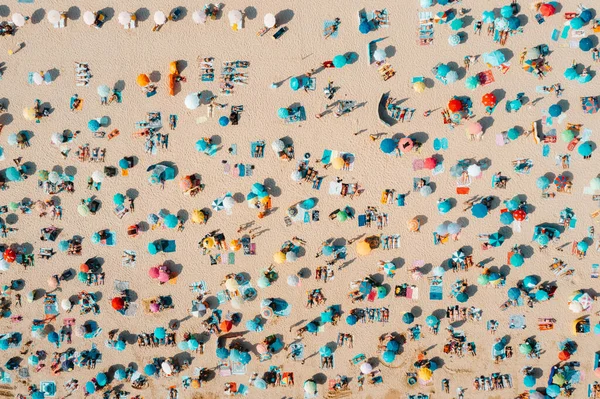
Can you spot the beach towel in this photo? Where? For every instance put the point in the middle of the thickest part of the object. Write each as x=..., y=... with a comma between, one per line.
x=169, y=246
x=298, y=350
x=516, y=322
x=436, y=289
x=327, y=24
x=326, y=157
x=254, y=147
x=49, y=388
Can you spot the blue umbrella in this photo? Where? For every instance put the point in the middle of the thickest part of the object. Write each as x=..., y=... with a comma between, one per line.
x=12, y=174
x=454, y=40
x=351, y=320
x=152, y=218
x=33, y=360
x=183, y=345
x=443, y=70
x=529, y=381
x=388, y=145
x=506, y=218
x=555, y=110
x=586, y=15
x=553, y=391
x=93, y=125
x=260, y=383
x=223, y=121
x=517, y=260
x=506, y=11
x=325, y=351
x=253, y=325
x=542, y=182
x=95, y=238
x=171, y=221
x=586, y=44
x=584, y=78
x=63, y=245
x=543, y=239
x=582, y=246
x=494, y=58
x=53, y=337
x=193, y=344
x=541, y=296
x=479, y=211
x=432, y=321
x=496, y=239
x=444, y=207
x=498, y=346
x=123, y=164
x=294, y=83
x=120, y=375
x=462, y=297
x=201, y=145
x=512, y=134
x=4, y=344
x=571, y=73
x=101, y=379
x=118, y=199
x=488, y=17
x=160, y=332
x=38, y=395
x=472, y=82
x=90, y=387
x=585, y=149
x=150, y=369
x=442, y=229
x=530, y=282
x=222, y=353
x=408, y=318
x=393, y=346
x=514, y=293
x=365, y=27
x=456, y=24
x=388, y=356
x=327, y=250
x=311, y=327
x=515, y=105
x=494, y=276
x=365, y=287
x=514, y=23
x=451, y=77
x=245, y=357
x=339, y=61
x=120, y=346
x=577, y=23
x=283, y=112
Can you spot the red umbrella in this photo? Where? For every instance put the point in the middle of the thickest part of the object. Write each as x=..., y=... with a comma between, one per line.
x=153, y=272
x=84, y=268
x=489, y=100
x=547, y=9
x=226, y=325
x=117, y=303
x=564, y=356
x=454, y=105
x=519, y=215
x=9, y=255
x=430, y=163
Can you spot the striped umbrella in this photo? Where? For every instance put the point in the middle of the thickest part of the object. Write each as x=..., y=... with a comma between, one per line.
x=496, y=239
x=217, y=204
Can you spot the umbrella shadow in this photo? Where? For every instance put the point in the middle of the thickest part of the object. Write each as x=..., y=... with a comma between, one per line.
x=155, y=76
x=467, y=21
x=351, y=57
x=506, y=231
x=54, y=74
x=416, y=311
x=73, y=13
x=4, y=11
x=422, y=219
x=500, y=94
x=142, y=14
x=390, y=51
x=486, y=122
x=284, y=16
x=564, y=105
x=421, y=137
x=439, y=313
x=38, y=16
x=250, y=13
x=305, y=273
x=523, y=19
x=119, y=85
x=6, y=119
x=108, y=12
x=272, y=187
x=182, y=12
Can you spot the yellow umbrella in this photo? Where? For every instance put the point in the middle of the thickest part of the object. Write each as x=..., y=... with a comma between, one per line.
x=143, y=80
x=424, y=374
x=235, y=245
x=337, y=163
x=198, y=216
x=29, y=113
x=231, y=284
x=363, y=248
x=279, y=257
x=419, y=87
x=413, y=225
x=208, y=242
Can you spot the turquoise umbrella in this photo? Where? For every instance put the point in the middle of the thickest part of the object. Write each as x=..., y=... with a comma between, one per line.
x=339, y=61
x=472, y=82
x=571, y=73
x=517, y=260
x=496, y=239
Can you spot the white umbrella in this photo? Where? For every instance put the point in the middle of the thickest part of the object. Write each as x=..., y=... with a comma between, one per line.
x=296, y=175
x=89, y=18
x=198, y=309
x=18, y=19
x=124, y=18
x=65, y=304
x=160, y=18
x=228, y=203
x=53, y=177
x=103, y=91
x=53, y=16
x=379, y=55
x=366, y=368
x=474, y=170
x=192, y=101
x=98, y=176
x=166, y=367
x=269, y=21
x=293, y=280
x=199, y=17
x=38, y=79
x=234, y=16
x=57, y=138
x=278, y=145
x=4, y=265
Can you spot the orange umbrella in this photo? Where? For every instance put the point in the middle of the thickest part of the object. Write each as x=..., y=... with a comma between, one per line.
x=413, y=225
x=9, y=255
x=173, y=68
x=84, y=268
x=489, y=100
x=454, y=105
x=185, y=183
x=564, y=356
x=226, y=325
x=171, y=84
x=143, y=80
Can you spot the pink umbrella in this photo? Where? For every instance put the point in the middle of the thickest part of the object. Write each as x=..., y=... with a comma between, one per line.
x=406, y=145
x=261, y=349
x=153, y=272
x=154, y=308
x=163, y=277
x=475, y=128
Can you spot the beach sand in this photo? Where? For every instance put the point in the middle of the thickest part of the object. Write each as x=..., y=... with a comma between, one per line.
x=117, y=56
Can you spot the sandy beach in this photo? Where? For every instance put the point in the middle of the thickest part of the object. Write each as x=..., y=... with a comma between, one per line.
x=117, y=56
